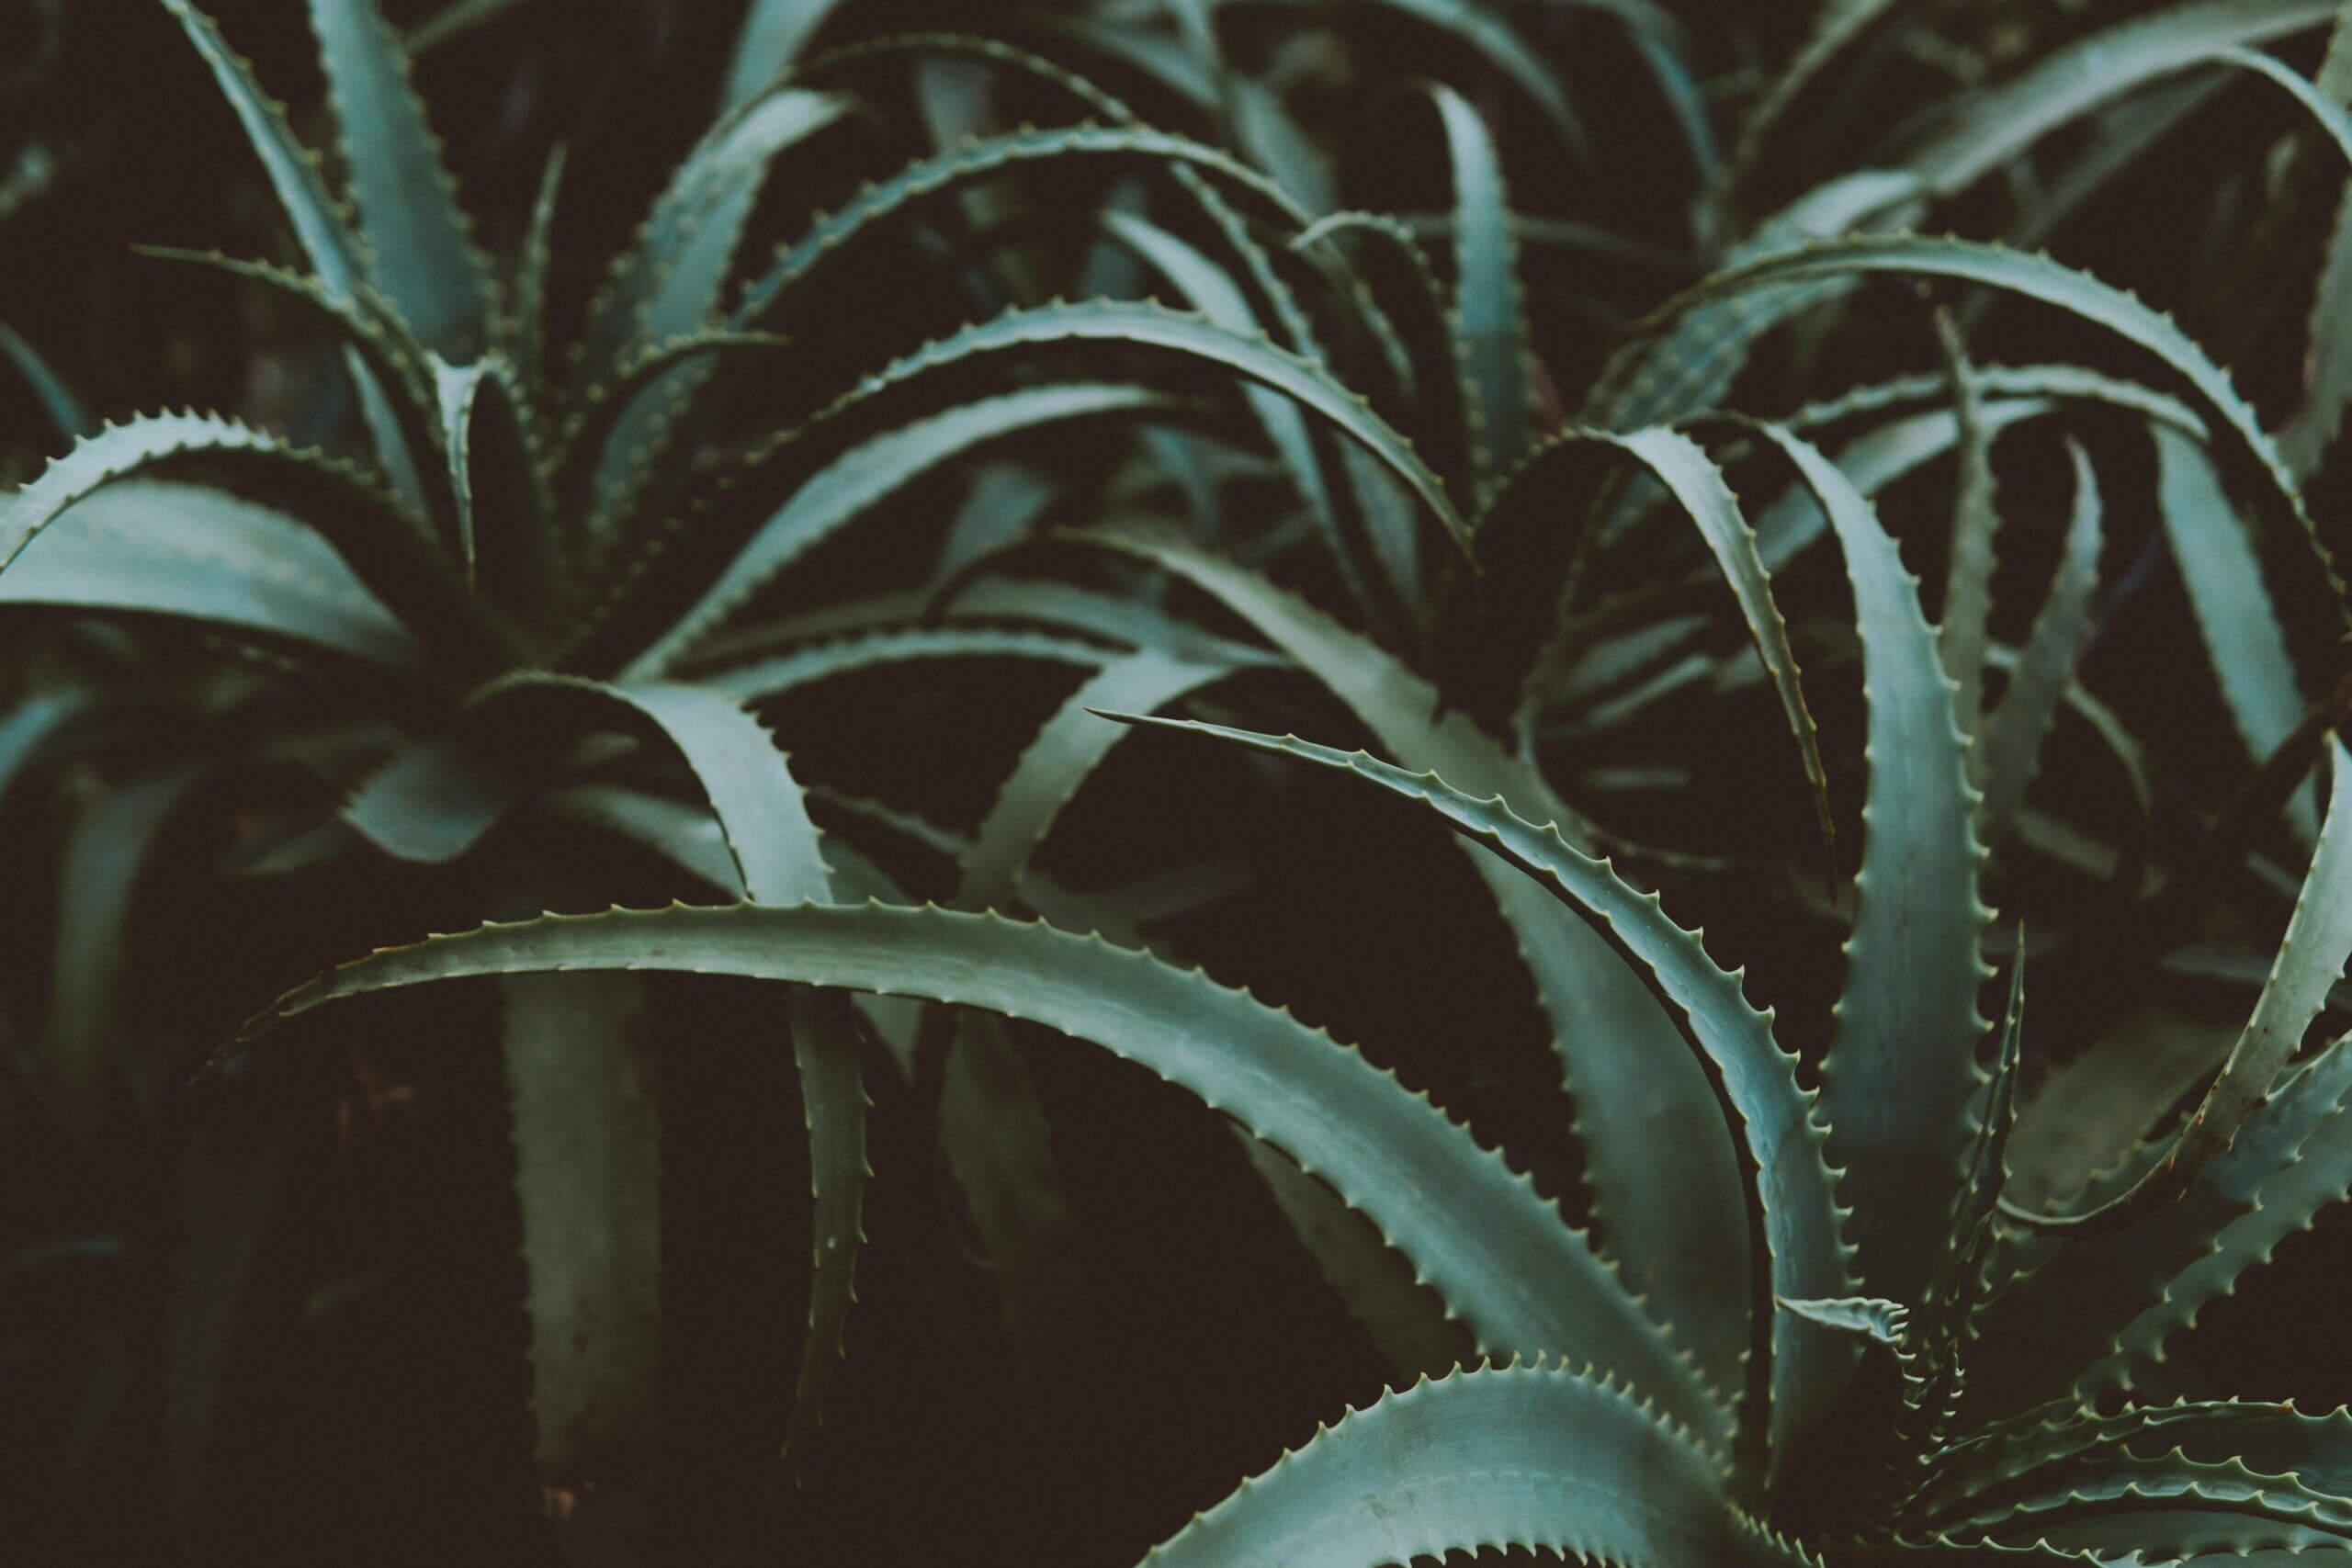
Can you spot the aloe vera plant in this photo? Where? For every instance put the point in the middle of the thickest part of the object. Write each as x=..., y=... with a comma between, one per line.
x=1099, y=404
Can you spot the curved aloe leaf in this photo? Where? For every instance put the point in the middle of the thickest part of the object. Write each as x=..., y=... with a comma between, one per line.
x=368, y=529
x=1490, y=319
x=455, y=388
x=1837, y=24
x=2240, y=627
x=1995, y=126
x=1796, y=1217
x=526, y=326
x=422, y=254
x=1682, y=1241
x=434, y=800
x=1207, y=288
x=768, y=678
x=2303, y=443
x=1975, y=520
x=937, y=177
x=2310, y=959
x=152, y=547
x=1056, y=764
x=1538, y=1458
x=686, y=835
x=772, y=35
x=1698, y=486
x=2035, y=277
x=1478, y=1232
x=2017, y=727
x=862, y=478
x=1501, y=47
x=1901, y=1070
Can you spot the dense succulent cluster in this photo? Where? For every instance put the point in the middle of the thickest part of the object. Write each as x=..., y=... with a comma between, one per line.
x=865, y=637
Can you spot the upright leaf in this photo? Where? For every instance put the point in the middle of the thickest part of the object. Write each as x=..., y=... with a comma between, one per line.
x=1490, y=319
x=421, y=254
x=1900, y=1071
x=2011, y=744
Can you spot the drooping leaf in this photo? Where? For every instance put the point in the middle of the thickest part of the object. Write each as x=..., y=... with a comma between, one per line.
x=421, y=253
x=382, y=546
x=1680, y=1240
x=148, y=547
x=1480, y=1233
x=1988, y=129
x=2034, y=277
x=1901, y=1070
x=1540, y=1458
x=1795, y=1213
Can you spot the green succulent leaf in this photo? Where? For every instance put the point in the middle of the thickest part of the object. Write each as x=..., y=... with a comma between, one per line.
x=2243, y=640
x=1902, y=1068
x=149, y=546
x=422, y=255
x=1480, y=1233
x=1990, y=128
x=767, y=677
x=1056, y=764
x=1968, y=583
x=825, y=1035
x=1540, y=1458
x=2018, y=723
x=862, y=478
x=1490, y=316
x=433, y=800
x=1634, y=1084
x=774, y=33
x=384, y=549
x=66, y=414
x=1794, y=1214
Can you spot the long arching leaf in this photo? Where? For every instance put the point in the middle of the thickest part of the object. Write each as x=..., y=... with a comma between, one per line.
x=1796, y=1218
x=1478, y=1232
x=1542, y=1459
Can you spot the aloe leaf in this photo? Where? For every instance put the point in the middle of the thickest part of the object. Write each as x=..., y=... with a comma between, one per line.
x=151, y=548
x=453, y=21
x=527, y=323
x=65, y=412
x=833, y=1092
x=1059, y=760
x=2034, y=277
x=588, y=1173
x=105, y=850
x=1871, y=1317
x=2313, y=1175
x=935, y=177
x=1499, y=45
x=1635, y=1088
x=1496, y=1252
x=772, y=35
x=1697, y=485
x=320, y=221
x=2304, y=441
x=2017, y=727
x=433, y=800
x=454, y=387
x=1901, y=1068
x=1207, y=288
x=862, y=478
x=386, y=552
x=1653, y=382
x=1992, y=127
x=2242, y=638
x=768, y=678
x=2098, y=1107
x=1537, y=1458
x=1836, y=23
x=1794, y=1210
x=686, y=835
x=1975, y=520
x=1490, y=316
x=422, y=253
x=1407, y=1323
